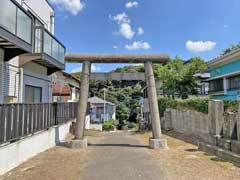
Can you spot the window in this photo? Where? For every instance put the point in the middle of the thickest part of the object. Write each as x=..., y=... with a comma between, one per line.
x=234, y=82
x=33, y=94
x=216, y=85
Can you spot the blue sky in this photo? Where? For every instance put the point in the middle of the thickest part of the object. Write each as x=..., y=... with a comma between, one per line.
x=185, y=28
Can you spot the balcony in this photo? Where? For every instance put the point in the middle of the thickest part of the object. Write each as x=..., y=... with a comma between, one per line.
x=15, y=29
x=47, y=51
x=51, y=50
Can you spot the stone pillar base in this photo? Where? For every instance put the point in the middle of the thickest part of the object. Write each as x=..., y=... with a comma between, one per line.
x=158, y=144
x=79, y=144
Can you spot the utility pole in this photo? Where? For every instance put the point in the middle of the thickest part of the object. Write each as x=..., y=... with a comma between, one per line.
x=104, y=108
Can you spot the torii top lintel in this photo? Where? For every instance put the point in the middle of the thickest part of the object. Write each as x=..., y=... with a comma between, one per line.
x=117, y=58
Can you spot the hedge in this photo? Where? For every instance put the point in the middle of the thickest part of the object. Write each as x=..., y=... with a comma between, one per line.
x=196, y=104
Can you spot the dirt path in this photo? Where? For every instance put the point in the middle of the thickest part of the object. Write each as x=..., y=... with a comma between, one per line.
x=183, y=161
x=125, y=156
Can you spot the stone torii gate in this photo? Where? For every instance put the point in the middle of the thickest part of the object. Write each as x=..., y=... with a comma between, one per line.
x=87, y=59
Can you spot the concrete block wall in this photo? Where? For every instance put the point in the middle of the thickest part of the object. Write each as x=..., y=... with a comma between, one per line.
x=215, y=128
x=16, y=153
x=187, y=122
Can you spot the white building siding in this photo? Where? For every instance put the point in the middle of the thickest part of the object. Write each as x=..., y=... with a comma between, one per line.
x=11, y=81
x=36, y=75
x=1, y=74
x=41, y=9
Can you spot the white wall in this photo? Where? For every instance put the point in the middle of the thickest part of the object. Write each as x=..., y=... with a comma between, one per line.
x=1, y=74
x=36, y=75
x=11, y=79
x=41, y=9
x=14, y=154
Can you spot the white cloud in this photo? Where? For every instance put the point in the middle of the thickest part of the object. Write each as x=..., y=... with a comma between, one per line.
x=115, y=47
x=226, y=26
x=200, y=46
x=126, y=31
x=131, y=4
x=138, y=45
x=140, y=31
x=125, y=28
x=77, y=69
x=95, y=68
x=120, y=18
x=72, y=6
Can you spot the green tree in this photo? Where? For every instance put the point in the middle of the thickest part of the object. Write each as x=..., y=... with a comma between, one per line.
x=180, y=77
x=125, y=94
x=231, y=48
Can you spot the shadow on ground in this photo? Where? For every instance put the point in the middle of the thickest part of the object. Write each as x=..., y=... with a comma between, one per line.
x=194, y=140
x=118, y=145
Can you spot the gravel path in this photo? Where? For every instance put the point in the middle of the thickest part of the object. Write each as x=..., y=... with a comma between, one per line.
x=120, y=156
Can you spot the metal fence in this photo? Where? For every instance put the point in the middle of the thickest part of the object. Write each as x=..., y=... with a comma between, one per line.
x=20, y=120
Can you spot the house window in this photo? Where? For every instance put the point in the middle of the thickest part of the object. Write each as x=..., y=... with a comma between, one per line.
x=234, y=82
x=216, y=85
x=33, y=94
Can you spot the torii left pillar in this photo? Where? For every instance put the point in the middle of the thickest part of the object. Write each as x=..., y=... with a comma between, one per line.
x=79, y=141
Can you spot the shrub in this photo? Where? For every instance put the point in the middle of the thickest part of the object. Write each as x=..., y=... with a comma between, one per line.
x=196, y=104
x=230, y=106
x=164, y=103
x=131, y=125
x=108, y=125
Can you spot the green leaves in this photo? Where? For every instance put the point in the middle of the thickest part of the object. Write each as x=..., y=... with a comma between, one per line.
x=231, y=48
x=180, y=77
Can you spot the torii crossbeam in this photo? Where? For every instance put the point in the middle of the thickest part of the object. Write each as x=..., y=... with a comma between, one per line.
x=147, y=60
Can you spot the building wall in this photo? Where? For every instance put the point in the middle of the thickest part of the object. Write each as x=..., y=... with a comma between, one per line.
x=225, y=69
x=11, y=83
x=60, y=78
x=97, y=112
x=42, y=10
x=13, y=88
x=1, y=74
x=36, y=75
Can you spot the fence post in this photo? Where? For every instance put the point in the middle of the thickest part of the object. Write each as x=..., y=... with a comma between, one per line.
x=216, y=120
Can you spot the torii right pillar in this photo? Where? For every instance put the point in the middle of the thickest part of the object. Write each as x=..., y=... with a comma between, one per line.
x=156, y=142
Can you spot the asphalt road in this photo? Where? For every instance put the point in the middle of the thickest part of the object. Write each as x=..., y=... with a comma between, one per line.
x=120, y=156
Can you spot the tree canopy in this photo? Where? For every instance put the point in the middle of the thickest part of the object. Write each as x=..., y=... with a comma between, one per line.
x=231, y=48
x=180, y=77
x=125, y=94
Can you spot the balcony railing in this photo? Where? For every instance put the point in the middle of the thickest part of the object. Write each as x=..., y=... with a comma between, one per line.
x=47, y=44
x=15, y=20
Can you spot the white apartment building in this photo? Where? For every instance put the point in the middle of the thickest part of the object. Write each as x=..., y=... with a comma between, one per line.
x=29, y=51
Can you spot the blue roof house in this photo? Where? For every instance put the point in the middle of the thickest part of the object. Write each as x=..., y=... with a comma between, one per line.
x=224, y=82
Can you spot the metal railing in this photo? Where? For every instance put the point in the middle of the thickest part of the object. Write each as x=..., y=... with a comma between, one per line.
x=46, y=43
x=20, y=120
x=14, y=19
